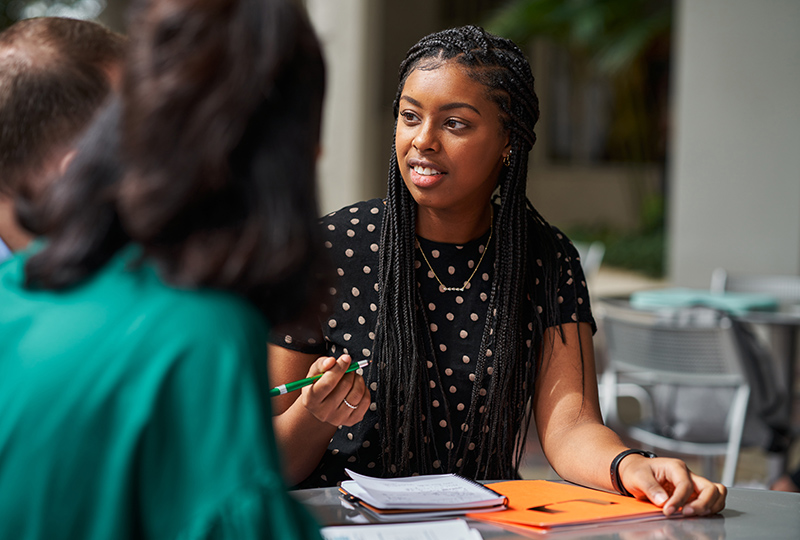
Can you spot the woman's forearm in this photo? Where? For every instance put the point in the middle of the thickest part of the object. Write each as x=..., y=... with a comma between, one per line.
x=583, y=453
x=302, y=440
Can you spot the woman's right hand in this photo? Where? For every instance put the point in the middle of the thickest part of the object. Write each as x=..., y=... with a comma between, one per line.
x=305, y=420
x=337, y=398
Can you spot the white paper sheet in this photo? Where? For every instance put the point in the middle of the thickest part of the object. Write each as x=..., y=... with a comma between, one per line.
x=453, y=529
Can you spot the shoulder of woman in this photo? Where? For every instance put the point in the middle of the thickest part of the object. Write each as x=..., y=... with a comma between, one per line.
x=370, y=211
x=198, y=315
x=562, y=238
x=223, y=310
x=353, y=226
x=536, y=223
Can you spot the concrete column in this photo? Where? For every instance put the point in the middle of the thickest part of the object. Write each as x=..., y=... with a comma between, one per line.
x=350, y=156
x=735, y=173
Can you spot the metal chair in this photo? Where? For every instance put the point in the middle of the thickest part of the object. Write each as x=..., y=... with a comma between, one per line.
x=781, y=333
x=692, y=351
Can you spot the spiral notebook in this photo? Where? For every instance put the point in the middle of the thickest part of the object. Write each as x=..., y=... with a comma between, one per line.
x=419, y=497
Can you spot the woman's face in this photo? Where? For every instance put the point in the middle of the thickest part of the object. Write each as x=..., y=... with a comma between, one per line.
x=450, y=140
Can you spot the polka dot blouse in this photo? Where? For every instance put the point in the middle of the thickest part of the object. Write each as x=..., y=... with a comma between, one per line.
x=456, y=320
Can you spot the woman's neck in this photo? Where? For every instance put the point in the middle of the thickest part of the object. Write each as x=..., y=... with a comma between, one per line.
x=453, y=227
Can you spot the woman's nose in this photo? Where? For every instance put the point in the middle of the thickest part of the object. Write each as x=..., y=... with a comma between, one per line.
x=426, y=138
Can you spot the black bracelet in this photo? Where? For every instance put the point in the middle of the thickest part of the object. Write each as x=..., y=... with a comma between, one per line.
x=616, y=481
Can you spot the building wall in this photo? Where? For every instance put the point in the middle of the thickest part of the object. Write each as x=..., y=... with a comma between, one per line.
x=349, y=156
x=735, y=173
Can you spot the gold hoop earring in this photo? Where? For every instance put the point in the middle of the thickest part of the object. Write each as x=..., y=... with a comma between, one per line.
x=507, y=159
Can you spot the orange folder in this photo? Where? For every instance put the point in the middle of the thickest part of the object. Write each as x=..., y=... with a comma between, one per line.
x=543, y=505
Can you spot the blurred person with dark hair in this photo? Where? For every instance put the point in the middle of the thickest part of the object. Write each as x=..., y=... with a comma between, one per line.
x=55, y=73
x=133, y=384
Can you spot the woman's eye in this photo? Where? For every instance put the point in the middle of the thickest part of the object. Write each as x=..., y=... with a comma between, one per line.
x=408, y=116
x=452, y=123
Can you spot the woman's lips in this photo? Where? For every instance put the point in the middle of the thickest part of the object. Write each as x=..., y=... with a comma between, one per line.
x=425, y=177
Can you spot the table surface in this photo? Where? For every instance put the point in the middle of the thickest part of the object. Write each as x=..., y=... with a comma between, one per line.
x=749, y=514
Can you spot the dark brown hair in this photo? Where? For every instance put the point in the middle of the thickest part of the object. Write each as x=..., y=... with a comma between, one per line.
x=54, y=75
x=219, y=125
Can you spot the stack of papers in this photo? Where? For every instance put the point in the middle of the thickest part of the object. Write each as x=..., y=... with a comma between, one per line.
x=454, y=529
x=419, y=497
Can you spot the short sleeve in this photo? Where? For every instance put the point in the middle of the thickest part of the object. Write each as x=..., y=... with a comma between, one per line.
x=209, y=466
x=573, y=292
x=351, y=242
x=303, y=336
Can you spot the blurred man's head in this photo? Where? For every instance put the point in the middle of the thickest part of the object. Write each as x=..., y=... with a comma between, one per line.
x=54, y=74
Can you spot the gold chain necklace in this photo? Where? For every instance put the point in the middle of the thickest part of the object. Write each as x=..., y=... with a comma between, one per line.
x=475, y=271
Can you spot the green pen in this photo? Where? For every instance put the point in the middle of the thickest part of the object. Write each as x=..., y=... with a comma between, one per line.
x=297, y=385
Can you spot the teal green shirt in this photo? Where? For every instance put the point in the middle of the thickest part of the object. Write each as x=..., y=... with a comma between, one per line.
x=133, y=409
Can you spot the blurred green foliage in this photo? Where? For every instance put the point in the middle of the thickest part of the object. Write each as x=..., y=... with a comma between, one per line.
x=612, y=33
x=626, y=41
x=641, y=250
x=637, y=251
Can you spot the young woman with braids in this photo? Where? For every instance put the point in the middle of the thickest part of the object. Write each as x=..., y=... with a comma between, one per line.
x=473, y=310
x=133, y=389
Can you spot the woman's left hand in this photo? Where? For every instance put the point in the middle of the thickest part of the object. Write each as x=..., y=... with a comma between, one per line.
x=669, y=483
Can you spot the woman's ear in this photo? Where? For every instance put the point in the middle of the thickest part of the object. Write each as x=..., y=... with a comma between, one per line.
x=507, y=146
x=507, y=150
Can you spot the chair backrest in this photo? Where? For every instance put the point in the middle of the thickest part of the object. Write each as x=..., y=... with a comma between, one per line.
x=786, y=289
x=692, y=381
x=692, y=347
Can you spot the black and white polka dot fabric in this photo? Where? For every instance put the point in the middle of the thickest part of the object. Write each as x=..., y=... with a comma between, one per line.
x=456, y=321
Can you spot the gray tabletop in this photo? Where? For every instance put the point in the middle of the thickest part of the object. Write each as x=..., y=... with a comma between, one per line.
x=750, y=514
